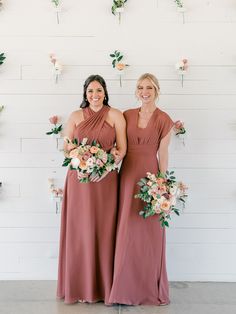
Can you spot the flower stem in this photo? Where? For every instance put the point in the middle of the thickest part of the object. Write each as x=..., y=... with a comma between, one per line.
x=120, y=81
x=119, y=17
x=182, y=80
x=183, y=18
x=58, y=22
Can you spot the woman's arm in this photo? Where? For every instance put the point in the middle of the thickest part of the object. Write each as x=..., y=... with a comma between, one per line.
x=74, y=119
x=163, y=153
x=120, y=128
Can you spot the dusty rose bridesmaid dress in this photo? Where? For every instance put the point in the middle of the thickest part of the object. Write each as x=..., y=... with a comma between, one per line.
x=140, y=275
x=88, y=223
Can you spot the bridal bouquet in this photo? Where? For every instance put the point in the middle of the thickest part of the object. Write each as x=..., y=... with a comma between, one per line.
x=88, y=160
x=161, y=193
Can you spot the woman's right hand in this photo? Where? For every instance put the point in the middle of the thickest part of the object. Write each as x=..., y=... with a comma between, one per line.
x=116, y=155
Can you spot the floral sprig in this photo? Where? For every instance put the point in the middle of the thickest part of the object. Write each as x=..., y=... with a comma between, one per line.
x=118, y=7
x=57, y=9
x=2, y=57
x=1, y=108
x=181, y=8
x=116, y=64
x=161, y=193
x=56, y=193
x=179, y=3
x=180, y=130
x=57, y=67
x=57, y=128
x=182, y=67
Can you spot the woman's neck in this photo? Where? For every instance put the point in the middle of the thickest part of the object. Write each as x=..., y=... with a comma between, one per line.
x=95, y=108
x=148, y=108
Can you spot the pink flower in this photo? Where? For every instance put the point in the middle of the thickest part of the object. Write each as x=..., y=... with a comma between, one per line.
x=99, y=163
x=86, y=156
x=178, y=125
x=54, y=120
x=53, y=58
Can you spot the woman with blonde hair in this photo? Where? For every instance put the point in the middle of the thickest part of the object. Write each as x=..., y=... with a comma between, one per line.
x=140, y=275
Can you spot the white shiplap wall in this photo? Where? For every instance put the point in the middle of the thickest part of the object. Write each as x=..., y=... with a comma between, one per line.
x=202, y=242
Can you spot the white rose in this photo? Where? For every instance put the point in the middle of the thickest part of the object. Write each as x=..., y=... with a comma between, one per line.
x=75, y=162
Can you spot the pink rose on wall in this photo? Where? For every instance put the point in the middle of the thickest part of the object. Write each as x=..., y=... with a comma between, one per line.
x=181, y=68
x=57, y=67
x=180, y=130
x=56, y=194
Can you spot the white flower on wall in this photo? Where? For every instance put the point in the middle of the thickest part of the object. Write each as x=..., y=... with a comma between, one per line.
x=181, y=67
x=118, y=8
x=181, y=8
x=56, y=194
x=57, y=7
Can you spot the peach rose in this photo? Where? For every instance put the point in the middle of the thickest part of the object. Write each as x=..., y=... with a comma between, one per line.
x=94, y=149
x=120, y=66
x=74, y=153
x=165, y=206
x=83, y=165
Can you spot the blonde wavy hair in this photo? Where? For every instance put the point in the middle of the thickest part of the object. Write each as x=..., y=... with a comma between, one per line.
x=154, y=81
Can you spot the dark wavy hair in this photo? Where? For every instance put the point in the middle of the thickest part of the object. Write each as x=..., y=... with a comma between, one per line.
x=100, y=80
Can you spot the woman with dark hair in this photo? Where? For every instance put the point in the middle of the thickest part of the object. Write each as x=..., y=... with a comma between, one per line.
x=88, y=221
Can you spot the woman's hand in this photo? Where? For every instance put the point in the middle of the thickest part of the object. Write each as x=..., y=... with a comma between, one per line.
x=96, y=178
x=116, y=154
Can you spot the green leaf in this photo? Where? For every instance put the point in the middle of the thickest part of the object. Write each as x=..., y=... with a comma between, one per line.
x=119, y=58
x=49, y=133
x=66, y=162
x=112, y=55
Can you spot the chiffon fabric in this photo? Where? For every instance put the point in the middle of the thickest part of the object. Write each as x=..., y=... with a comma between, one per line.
x=140, y=275
x=88, y=223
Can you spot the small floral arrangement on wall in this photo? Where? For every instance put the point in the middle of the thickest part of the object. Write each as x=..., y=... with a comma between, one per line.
x=117, y=64
x=57, y=67
x=180, y=130
x=182, y=67
x=56, y=194
x=56, y=130
x=1, y=108
x=2, y=58
x=57, y=7
x=181, y=8
x=118, y=8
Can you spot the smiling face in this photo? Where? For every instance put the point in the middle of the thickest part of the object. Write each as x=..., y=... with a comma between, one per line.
x=146, y=91
x=95, y=94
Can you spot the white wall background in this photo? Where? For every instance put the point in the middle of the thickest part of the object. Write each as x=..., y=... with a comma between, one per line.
x=202, y=242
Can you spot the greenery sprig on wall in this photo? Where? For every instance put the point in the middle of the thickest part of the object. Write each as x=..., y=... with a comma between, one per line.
x=118, y=7
x=2, y=58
